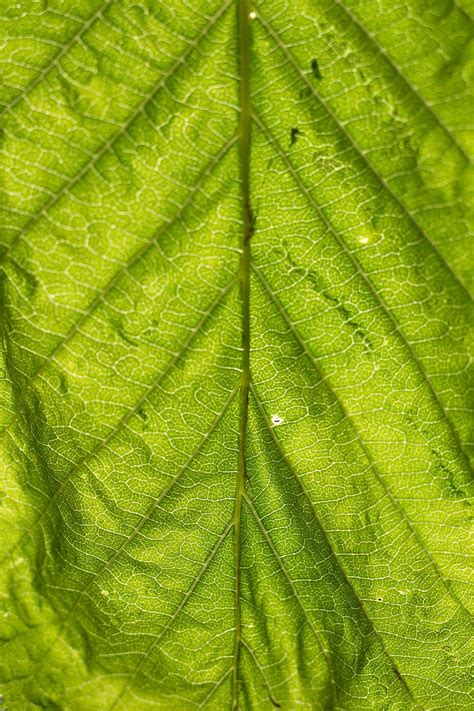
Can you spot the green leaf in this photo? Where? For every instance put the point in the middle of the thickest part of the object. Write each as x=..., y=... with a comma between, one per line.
x=235, y=382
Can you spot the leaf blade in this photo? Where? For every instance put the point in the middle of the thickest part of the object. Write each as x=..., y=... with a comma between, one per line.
x=168, y=546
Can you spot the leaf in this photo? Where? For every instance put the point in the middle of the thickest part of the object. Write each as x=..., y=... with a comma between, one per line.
x=235, y=368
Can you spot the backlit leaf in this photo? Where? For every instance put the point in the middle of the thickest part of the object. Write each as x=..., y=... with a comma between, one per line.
x=236, y=397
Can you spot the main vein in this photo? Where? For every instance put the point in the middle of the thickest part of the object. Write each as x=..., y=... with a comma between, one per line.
x=243, y=7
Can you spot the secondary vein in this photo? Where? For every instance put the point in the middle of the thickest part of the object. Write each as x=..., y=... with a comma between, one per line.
x=243, y=9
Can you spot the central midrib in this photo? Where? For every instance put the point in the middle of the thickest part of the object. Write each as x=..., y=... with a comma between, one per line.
x=243, y=12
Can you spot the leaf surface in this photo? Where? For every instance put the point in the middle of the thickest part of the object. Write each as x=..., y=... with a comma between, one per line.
x=236, y=395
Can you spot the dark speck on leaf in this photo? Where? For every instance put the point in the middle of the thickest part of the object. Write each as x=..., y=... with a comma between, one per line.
x=305, y=92
x=315, y=69
x=295, y=132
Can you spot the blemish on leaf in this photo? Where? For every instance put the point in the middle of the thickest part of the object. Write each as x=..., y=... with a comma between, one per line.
x=350, y=321
x=63, y=384
x=273, y=702
x=253, y=222
x=277, y=420
x=305, y=92
x=315, y=69
x=294, y=133
x=120, y=329
x=452, y=483
x=321, y=288
x=142, y=414
x=28, y=281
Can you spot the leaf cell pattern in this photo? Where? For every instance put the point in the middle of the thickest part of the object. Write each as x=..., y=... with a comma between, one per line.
x=236, y=395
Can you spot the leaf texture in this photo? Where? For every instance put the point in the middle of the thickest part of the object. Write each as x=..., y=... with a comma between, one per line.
x=236, y=393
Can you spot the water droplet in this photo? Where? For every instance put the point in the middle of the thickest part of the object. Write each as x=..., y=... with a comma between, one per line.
x=252, y=15
x=277, y=420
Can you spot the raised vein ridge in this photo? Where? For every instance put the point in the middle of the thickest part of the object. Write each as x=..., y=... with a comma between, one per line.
x=247, y=228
